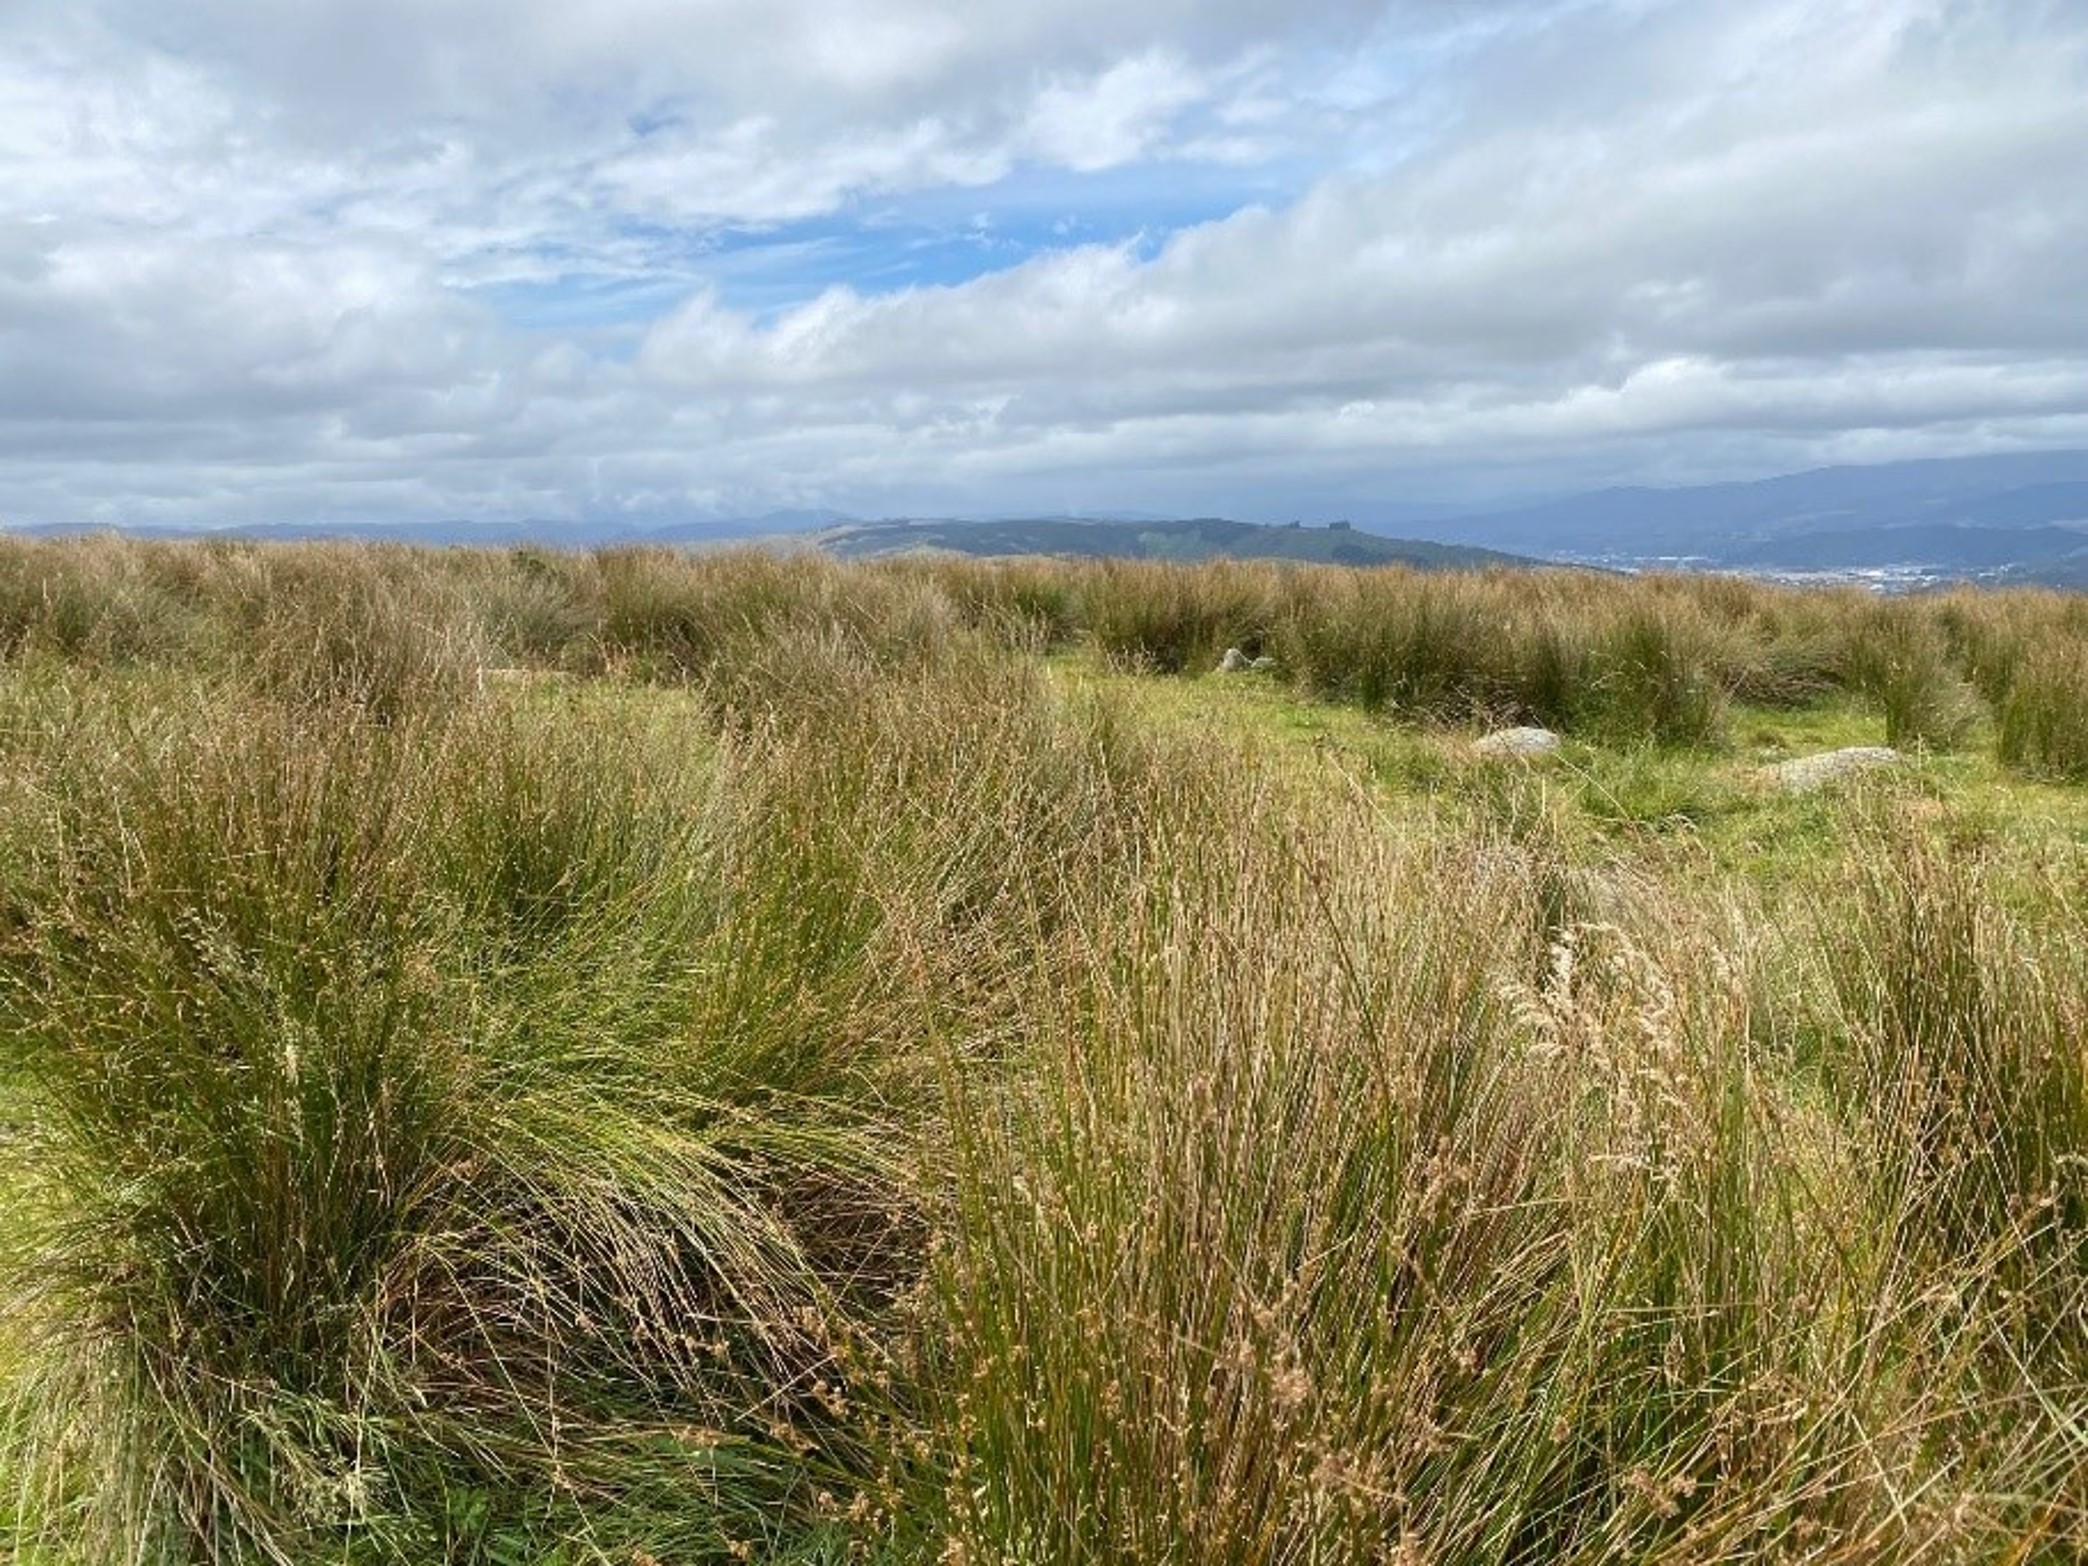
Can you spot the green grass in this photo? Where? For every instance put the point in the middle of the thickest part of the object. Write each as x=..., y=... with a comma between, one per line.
x=1614, y=798
x=2043, y=722
x=831, y=1064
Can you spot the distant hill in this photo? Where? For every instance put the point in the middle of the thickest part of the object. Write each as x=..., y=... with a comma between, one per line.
x=1939, y=546
x=1203, y=538
x=1861, y=515
x=2070, y=573
x=1141, y=538
x=2020, y=517
x=457, y=531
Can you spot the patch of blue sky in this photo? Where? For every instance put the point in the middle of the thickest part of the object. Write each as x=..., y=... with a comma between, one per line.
x=584, y=302
x=951, y=235
x=934, y=238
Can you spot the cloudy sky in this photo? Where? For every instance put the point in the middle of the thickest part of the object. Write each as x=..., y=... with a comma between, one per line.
x=326, y=259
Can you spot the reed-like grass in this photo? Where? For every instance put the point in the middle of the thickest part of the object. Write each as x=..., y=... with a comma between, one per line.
x=399, y=1151
x=788, y=1076
x=1898, y=656
x=2043, y=726
x=1169, y=620
x=1655, y=678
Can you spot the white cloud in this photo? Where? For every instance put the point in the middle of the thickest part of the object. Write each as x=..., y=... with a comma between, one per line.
x=246, y=248
x=1113, y=117
x=1666, y=231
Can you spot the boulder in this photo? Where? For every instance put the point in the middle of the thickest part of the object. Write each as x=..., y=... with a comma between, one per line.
x=1808, y=774
x=1234, y=662
x=1517, y=742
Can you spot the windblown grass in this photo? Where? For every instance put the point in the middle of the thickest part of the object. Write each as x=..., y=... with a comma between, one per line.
x=2044, y=716
x=1899, y=656
x=418, y=1164
x=808, y=1080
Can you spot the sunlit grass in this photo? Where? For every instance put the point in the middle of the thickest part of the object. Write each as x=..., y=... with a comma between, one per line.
x=632, y=1059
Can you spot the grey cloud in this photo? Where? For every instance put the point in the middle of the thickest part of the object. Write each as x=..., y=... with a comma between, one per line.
x=1586, y=239
x=1497, y=258
x=540, y=71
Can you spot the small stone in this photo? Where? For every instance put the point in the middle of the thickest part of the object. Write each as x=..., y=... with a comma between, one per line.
x=1808, y=774
x=1263, y=664
x=1517, y=742
x=1234, y=662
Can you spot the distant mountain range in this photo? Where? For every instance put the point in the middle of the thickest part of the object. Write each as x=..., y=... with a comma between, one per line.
x=1205, y=538
x=2019, y=517
x=2014, y=518
x=498, y=535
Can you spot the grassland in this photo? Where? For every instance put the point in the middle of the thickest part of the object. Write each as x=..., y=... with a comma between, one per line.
x=643, y=1059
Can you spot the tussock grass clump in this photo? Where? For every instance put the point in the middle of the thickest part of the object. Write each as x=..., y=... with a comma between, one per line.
x=1991, y=632
x=1188, y=1272
x=1327, y=1225
x=356, y=627
x=94, y=601
x=678, y=617
x=820, y=1084
x=508, y=1140
x=1654, y=676
x=1966, y=1082
x=1170, y=619
x=670, y=614
x=1899, y=657
x=541, y=608
x=1029, y=605
x=2043, y=726
x=417, y=1170
x=1967, y=1029
x=1392, y=641
x=1779, y=647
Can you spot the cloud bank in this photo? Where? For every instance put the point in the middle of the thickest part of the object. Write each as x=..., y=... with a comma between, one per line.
x=670, y=258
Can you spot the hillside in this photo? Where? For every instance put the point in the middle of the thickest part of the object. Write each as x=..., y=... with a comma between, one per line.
x=1947, y=547
x=1882, y=514
x=2018, y=518
x=1205, y=538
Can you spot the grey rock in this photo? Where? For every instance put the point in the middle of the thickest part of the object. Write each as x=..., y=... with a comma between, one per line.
x=1234, y=662
x=1517, y=742
x=1808, y=774
x=1262, y=664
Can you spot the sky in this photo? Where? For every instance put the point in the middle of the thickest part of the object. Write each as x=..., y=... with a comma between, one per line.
x=666, y=260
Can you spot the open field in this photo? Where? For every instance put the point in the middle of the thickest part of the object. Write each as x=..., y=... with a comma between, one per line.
x=646, y=1059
